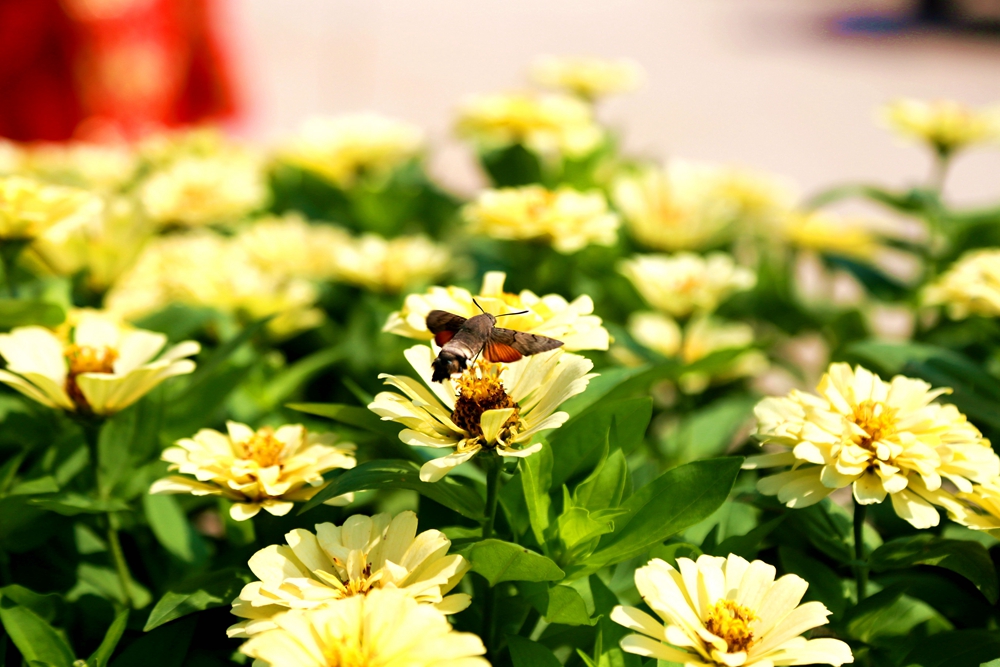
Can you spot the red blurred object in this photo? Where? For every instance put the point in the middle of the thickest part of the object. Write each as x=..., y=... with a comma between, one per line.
x=109, y=69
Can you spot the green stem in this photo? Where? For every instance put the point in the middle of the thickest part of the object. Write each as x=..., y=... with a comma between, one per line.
x=494, y=467
x=118, y=556
x=861, y=566
x=91, y=433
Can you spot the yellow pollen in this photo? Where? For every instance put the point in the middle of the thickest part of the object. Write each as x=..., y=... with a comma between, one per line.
x=730, y=622
x=480, y=389
x=86, y=359
x=877, y=419
x=263, y=448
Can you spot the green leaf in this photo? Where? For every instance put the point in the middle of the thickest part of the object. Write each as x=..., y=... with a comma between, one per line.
x=511, y=166
x=127, y=441
x=969, y=559
x=102, y=655
x=961, y=648
x=679, y=498
x=361, y=418
x=606, y=485
x=579, y=444
x=889, y=615
x=526, y=653
x=674, y=550
x=709, y=431
x=557, y=604
x=208, y=364
x=172, y=529
x=499, y=561
x=22, y=313
x=536, y=480
x=298, y=374
x=71, y=504
x=33, y=636
x=45, y=605
x=177, y=321
x=396, y=474
x=747, y=545
x=166, y=646
x=213, y=589
x=104, y=581
x=33, y=487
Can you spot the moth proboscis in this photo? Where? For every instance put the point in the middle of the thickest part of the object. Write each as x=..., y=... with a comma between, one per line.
x=463, y=339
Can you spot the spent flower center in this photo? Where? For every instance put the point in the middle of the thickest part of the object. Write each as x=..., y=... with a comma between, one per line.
x=877, y=420
x=263, y=448
x=480, y=389
x=730, y=622
x=87, y=359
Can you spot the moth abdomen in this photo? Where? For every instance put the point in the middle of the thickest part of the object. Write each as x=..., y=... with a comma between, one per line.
x=447, y=364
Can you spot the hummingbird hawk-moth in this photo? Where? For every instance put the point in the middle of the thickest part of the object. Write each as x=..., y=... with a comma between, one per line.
x=462, y=340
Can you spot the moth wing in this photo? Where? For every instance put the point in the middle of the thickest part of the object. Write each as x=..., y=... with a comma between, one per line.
x=497, y=352
x=523, y=342
x=443, y=325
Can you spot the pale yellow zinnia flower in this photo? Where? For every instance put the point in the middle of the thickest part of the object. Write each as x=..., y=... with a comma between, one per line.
x=690, y=206
x=30, y=208
x=100, y=367
x=945, y=126
x=267, y=469
x=551, y=125
x=390, y=265
x=567, y=219
x=587, y=77
x=198, y=191
x=572, y=322
x=360, y=556
x=386, y=628
x=207, y=269
x=344, y=148
x=701, y=337
x=491, y=407
x=686, y=283
x=828, y=233
x=290, y=246
x=106, y=168
x=971, y=286
x=723, y=612
x=881, y=438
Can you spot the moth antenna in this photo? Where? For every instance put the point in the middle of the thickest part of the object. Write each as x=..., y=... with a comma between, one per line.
x=478, y=306
x=520, y=312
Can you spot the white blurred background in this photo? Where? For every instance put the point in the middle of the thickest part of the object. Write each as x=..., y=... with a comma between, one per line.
x=773, y=84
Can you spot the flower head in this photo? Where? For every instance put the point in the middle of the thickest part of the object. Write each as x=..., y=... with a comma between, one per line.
x=724, y=612
x=881, y=438
x=107, y=168
x=685, y=283
x=30, y=209
x=390, y=265
x=551, y=315
x=970, y=287
x=567, y=219
x=100, y=367
x=266, y=469
x=336, y=562
x=207, y=269
x=701, y=337
x=291, y=247
x=826, y=232
x=944, y=125
x=589, y=78
x=198, y=191
x=500, y=407
x=344, y=148
x=551, y=125
x=691, y=206
x=386, y=628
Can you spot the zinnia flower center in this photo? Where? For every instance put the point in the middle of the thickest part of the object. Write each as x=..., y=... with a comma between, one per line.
x=480, y=389
x=86, y=359
x=730, y=622
x=263, y=448
x=877, y=419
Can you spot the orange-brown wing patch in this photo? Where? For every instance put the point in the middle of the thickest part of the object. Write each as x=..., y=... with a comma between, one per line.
x=500, y=352
x=442, y=337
